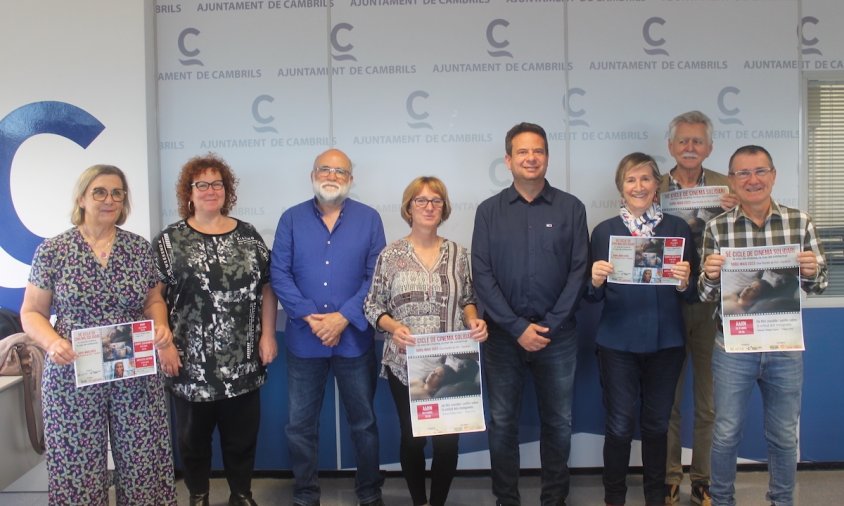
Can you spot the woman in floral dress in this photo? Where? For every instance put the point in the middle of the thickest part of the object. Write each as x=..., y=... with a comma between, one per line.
x=97, y=274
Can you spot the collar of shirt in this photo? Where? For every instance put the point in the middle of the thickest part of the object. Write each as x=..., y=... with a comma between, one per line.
x=674, y=185
x=774, y=211
x=319, y=212
x=546, y=194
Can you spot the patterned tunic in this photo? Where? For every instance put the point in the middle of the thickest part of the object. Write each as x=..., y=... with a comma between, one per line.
x=425, y=301
x=214, y=285
x=78, y=421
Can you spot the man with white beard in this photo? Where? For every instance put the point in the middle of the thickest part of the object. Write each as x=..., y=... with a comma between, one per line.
x=322, y=263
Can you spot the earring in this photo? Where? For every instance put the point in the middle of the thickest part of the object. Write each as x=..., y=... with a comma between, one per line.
x=190, y=206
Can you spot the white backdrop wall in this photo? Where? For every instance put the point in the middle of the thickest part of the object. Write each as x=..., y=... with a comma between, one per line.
x=406, y=87
x=431, y=86
x=413, y=87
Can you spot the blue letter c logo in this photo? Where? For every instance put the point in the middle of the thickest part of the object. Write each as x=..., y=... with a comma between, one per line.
x=57, y=118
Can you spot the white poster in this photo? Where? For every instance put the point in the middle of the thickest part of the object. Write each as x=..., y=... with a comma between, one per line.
x=645, y=260
x=444, y=382
x=695, y=205
x=760, y=299
x=114, y=352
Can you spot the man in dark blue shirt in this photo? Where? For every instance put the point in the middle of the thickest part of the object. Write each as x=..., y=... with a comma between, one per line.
x=530, y=253
x=322, y=263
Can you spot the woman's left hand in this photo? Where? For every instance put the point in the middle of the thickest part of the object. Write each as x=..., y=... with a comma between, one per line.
x=267, y=348
x=477, y=326
x=681, y=271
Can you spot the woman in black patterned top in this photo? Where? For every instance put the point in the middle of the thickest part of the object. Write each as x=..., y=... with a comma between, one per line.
x=214, y=275
x=422, y=284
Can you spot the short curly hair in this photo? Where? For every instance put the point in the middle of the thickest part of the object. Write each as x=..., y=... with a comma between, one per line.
x=197, y=165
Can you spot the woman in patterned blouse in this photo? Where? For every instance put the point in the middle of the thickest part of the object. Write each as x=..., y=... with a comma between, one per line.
x=214, y=275
x=97, y=274
x=422, y=284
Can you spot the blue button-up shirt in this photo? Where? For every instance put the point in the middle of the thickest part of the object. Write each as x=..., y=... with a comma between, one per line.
x=314, y=270
x=530, y=259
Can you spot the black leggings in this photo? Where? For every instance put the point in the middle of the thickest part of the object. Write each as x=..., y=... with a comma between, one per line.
x=412, y=453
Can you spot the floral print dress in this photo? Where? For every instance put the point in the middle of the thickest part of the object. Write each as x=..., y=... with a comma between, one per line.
x=132, y=414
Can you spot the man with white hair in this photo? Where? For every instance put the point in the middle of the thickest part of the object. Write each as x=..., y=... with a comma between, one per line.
x=690, y=143
x=322, y=263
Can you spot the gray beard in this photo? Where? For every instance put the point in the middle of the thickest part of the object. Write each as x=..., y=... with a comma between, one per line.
x=332, y=199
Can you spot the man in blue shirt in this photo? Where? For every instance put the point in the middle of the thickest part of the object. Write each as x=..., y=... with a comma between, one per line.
x=322, y=263
x=530, y=256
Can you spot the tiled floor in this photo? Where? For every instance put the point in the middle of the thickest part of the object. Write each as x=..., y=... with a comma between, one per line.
x=814, y=488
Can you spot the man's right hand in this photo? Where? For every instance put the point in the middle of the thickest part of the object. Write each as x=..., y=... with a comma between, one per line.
x=712, y=266
x=531, y=340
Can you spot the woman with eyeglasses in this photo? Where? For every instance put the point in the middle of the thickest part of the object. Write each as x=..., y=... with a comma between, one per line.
x=422, y=284
x=97, y=274
x=214, y=275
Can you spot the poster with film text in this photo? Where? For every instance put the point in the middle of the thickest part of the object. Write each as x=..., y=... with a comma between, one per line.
x=761, y=309
x=644, y=260
x=444, y=383
x=695, y=205
x=114, y=352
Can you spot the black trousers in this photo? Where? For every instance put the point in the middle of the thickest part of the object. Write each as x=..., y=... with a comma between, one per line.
x=237, y=419
x=412, y=453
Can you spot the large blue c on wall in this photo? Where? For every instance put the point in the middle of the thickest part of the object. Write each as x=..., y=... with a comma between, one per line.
x=59, y=118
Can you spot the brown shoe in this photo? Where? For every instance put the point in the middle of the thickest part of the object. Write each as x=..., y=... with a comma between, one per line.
x=672, y=494
x=700, y=494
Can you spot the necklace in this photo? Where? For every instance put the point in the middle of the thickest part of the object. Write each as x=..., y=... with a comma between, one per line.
x=103, y=252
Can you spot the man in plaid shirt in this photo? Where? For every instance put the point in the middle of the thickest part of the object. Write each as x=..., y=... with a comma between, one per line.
x=757, y=221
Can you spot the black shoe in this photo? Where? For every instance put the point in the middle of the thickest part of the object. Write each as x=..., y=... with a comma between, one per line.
x=376, y=502
x=198, y=499
x=242, y=499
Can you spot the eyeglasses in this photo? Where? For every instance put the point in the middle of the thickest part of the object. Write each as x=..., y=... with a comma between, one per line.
x=759, y=172
x=340, y=172
x=204, y=185
x=422, y=202
x=100, y=194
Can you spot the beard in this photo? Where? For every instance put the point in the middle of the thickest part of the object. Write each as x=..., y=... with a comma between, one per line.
x=331, y=193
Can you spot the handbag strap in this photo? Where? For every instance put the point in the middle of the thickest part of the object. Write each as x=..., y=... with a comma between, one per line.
x=24, y=355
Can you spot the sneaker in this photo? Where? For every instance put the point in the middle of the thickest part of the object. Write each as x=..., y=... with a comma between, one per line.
x=700, y=494
x=672, y=493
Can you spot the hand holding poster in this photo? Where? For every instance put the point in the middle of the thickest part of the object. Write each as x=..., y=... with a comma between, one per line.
x=760, y=299
x=444, y=381
x=113, y=352
x=644, y=260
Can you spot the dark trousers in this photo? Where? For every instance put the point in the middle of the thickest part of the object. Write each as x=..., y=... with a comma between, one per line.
x=645, y=381
x=237, y=419
x=412, y=453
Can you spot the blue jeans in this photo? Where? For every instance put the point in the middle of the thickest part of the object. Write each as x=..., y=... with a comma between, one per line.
x=552, y=369
x=780, y=379
x=306, y=379
x=647, y=381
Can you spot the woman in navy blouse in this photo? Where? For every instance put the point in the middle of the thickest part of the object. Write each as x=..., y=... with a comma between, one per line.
x=640, y=334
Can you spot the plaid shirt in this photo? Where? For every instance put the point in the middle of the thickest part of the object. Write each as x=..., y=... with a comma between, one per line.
x=673, y=185
x=734, y=229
